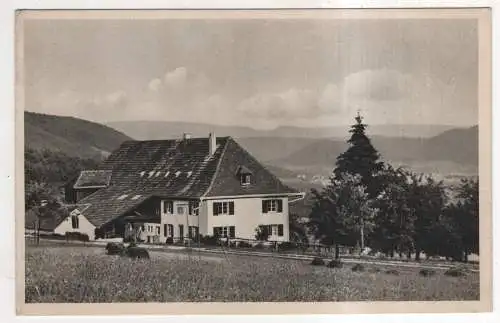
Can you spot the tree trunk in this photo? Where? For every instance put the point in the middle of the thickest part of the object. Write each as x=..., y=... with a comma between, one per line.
x=408, y=254
x=362, y=235
x=466, y=257
x=392, y=253
x=417, y=254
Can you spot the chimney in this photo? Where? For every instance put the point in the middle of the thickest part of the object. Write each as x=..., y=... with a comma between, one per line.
x=186, y=136
x=212, y=143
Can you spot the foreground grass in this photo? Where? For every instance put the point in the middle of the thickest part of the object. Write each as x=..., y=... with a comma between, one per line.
x=86, y=274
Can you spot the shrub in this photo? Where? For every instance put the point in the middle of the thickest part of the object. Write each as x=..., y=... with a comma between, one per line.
x=392, y=272
x=78, y=236
x=169, y=240
x=244, y=244
x=318, y=261
x=455, y=272
x=114, y=248
x=137, y=253
x=426, y=272
x=287, y=246
x=358, y=267
x=259, y=245
x=335, y=264
x=132, y=244
x=209, y=240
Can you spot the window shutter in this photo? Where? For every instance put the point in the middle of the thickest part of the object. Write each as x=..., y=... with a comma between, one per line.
x=215, y=231
x=231, y=208
x=280, y=230
x=190, y=208
x=215, y=207
x=264, y=206
x=231, y=232
x=280, y=205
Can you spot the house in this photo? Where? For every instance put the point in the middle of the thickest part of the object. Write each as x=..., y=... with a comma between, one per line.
x=160, y=189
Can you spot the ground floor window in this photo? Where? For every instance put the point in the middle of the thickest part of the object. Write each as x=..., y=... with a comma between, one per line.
x=193, y=232
x=224, y=232
x=170, y=230
x=274, y=229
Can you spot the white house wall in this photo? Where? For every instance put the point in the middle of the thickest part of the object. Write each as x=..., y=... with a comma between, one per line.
x=84, y=226
x=247, y=217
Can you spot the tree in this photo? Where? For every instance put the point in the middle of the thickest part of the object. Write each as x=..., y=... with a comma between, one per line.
x=360, y=158
x=394, y=224
x=342, y=213
x=465, y=215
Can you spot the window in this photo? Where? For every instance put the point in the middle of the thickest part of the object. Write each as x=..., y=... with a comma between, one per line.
x=181, y=209
x=168, y=207
x=275, y=205
x=274, y=230
x=158, y=230
x=224, y=232
x=181, y=231
x=165, y=228
x=280, y=230
x=223, y=208
x=194, y=208
x=75, y=222
x=246, y=179
x=193, y=232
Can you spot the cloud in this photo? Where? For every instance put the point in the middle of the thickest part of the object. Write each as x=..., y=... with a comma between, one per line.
x=154, y=85
x=378, y=85
x=176, y=78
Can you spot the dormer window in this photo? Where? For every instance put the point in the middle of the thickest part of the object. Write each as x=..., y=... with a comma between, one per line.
x=246, y=179
x=245, y=175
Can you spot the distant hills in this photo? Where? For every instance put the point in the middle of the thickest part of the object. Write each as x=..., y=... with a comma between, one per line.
x=72, y=136
x=170, y=130
x=287, y=151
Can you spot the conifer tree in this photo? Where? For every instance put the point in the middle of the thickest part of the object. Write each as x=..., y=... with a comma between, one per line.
x=360, y=158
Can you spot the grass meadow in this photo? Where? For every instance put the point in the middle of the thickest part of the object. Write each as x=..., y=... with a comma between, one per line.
x=73, y=274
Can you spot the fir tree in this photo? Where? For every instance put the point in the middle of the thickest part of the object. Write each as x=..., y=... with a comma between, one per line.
x=361, y=158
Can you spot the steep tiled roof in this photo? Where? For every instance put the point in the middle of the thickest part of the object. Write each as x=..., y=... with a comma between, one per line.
x=93, y=178
x=227, y=183
x=175, y=169
x=109, y=203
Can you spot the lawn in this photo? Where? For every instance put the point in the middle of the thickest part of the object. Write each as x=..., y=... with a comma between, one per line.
x=86, y=274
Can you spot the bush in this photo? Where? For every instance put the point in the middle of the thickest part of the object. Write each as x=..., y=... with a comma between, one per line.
x=392, y=272
x=114, y=248
x=78, y=236
x=317, y=261
x=244, y=244
x=169, y=240
x=259, y=245
x=455, y=272
x=137, y=253
x=335, y=264
x=209, y=240
x=358, y=267
x=426, y=272
x=287, y=246
x=132, y=244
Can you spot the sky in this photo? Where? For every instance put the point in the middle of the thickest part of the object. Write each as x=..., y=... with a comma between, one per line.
x=258, y=73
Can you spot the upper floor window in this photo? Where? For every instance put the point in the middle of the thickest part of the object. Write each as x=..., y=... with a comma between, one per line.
x=75, y=223
x=181, y=209
x=168, y=207
x=223, y=208
x=194, y=208
x=272, y=205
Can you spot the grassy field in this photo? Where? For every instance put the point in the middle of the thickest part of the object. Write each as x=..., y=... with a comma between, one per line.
x=86, y=274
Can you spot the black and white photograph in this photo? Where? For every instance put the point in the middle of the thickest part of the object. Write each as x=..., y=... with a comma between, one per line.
x=259, y=156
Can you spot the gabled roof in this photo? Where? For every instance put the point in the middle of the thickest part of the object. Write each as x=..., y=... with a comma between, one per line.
x=93, y=179
x=175, y=169
x=109, y=203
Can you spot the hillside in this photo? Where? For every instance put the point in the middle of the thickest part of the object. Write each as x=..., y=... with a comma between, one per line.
x=453, y=151
x=71, y=136
x=169, y=130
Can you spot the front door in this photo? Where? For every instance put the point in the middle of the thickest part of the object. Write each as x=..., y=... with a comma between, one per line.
x=181, y=231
